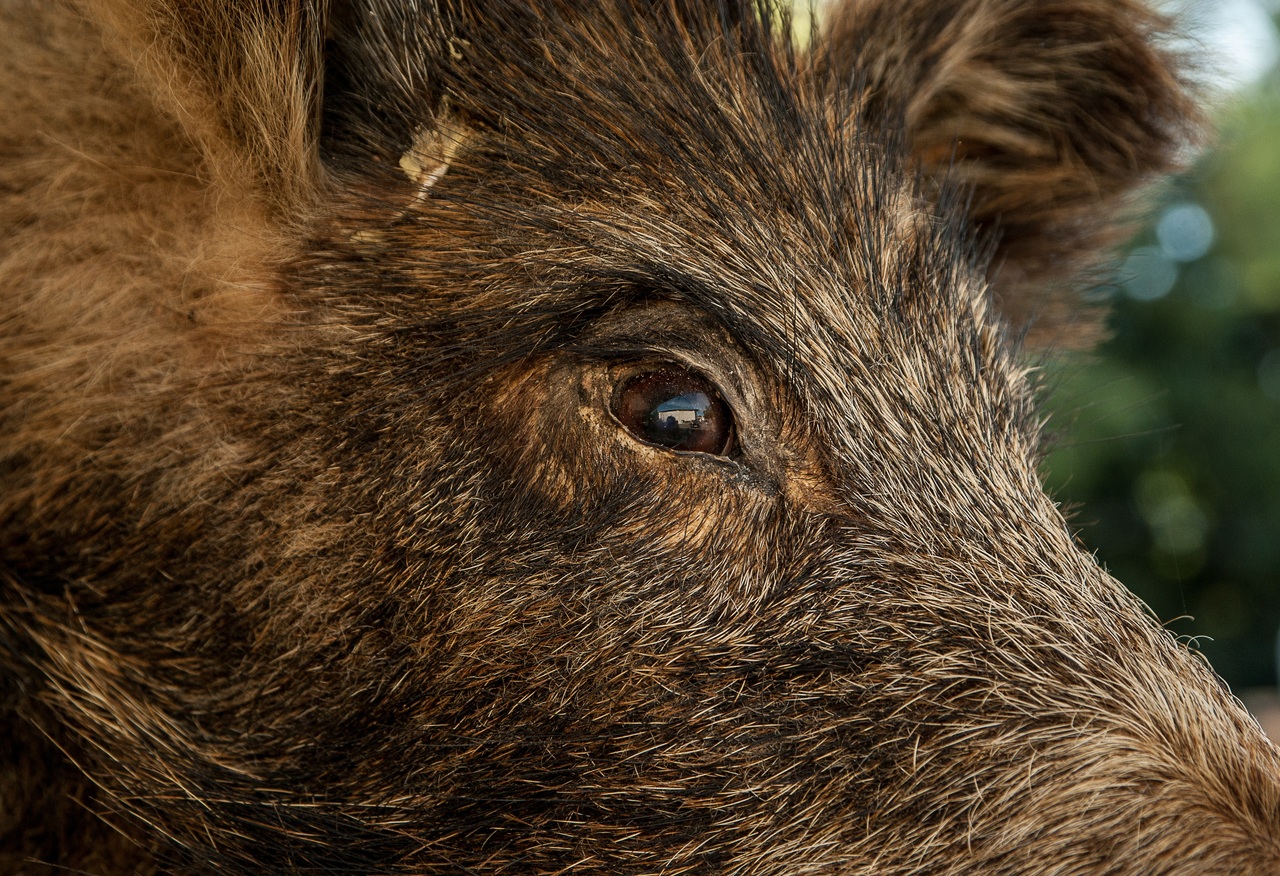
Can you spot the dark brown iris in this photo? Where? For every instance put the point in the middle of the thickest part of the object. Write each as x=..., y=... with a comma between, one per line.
x=675, y=408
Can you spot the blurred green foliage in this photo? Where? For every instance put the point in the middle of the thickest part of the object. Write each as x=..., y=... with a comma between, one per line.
x=1170, y=447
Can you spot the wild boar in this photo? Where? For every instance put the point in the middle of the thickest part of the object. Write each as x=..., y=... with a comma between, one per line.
x=577, y=437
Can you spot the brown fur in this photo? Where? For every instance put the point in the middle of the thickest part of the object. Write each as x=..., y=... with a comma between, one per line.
x=323, y=551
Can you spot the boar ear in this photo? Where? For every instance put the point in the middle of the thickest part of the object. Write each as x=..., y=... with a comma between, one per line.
x=242, y=78
x=1053, y=113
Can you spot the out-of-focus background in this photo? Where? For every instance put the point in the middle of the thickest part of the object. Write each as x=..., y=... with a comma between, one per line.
x=1170, y=434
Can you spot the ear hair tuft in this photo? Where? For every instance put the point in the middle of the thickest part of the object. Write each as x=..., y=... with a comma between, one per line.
x=1055, y=114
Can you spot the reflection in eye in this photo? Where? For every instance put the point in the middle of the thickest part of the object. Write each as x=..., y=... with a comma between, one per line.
x=675, y=408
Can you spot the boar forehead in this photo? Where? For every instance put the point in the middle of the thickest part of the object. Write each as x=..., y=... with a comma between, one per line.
x=619, y=164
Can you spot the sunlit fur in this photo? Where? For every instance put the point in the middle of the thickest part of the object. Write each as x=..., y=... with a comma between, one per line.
x=323, y=553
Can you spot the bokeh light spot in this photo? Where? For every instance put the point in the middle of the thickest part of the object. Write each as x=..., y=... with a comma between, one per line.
x=1148, y=274
x=1185, y=232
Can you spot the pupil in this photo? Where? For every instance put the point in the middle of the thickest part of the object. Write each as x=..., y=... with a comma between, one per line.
x=675, y=409
x=680, y=420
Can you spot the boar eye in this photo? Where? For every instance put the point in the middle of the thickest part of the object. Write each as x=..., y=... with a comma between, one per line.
x=675, y=408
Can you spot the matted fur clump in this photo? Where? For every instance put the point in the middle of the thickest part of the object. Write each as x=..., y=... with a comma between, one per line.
x=576, y=437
